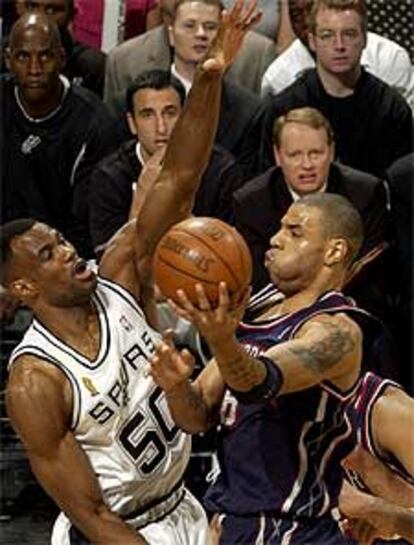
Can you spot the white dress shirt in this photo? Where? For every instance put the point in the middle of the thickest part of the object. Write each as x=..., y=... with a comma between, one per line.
x=381, y=57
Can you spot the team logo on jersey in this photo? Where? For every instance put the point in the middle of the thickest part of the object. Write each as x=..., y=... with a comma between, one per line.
x=30, y=144
x=89, y=385
x=126, y=324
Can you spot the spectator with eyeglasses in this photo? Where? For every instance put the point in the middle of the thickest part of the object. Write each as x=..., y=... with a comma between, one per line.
x=381, y=56
x=372, y=122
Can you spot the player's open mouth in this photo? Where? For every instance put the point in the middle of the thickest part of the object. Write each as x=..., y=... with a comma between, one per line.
x=81, y=270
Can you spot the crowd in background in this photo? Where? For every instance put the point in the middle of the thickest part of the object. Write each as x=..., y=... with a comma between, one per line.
x=303, y=110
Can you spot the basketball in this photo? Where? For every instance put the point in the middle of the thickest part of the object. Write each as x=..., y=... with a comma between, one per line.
x=205, y=251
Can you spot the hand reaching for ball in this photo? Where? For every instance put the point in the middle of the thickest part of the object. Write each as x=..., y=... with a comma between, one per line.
x=215, y=323
x=169, y=367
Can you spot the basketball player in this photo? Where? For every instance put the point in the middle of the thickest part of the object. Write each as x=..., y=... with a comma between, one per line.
x=277, y=381
x=383, y=418
x=96, y=428
x=370, y=517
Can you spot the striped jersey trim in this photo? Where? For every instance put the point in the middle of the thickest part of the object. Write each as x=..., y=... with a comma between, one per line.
x=105, y=338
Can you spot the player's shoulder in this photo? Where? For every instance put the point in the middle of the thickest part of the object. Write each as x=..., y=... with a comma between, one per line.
x=29, y=370
x=393, y=403
x=331, y=324
x=36, y=384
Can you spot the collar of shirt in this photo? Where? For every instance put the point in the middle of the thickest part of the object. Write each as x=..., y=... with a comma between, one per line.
x=66, y=86
x=187, y=84
x=296, y=196
x=138, y=151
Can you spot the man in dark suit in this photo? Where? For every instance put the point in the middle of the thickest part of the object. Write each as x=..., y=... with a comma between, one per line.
x=121, y=180
x=303, y=146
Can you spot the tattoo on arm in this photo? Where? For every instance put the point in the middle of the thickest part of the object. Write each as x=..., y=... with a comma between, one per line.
x=192, y=403
x=328, y=351
x=243, y=372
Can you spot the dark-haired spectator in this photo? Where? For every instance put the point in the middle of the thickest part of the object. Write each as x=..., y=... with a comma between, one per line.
x=152, y=51
x=382, y=57
x=154, y=103
x=53, y=133
x=304, y=148
x=83, y=65
x=193, y=29
x=373, y=124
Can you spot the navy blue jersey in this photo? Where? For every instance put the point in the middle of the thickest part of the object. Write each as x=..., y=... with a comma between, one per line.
x=359, y=409
x=284, y=456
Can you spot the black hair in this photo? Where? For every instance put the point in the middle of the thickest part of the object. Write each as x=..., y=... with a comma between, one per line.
x=7, y=232
x=154, y=79
x=340, y=218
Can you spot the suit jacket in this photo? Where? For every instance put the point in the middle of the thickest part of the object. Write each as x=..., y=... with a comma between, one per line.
x=373, y=126
x=261, y=203
x=151, y=50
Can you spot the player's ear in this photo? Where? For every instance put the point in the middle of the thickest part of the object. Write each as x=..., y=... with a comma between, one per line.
x=336, y=252
x=131, y=123
x=311, y=41
x=22, y=289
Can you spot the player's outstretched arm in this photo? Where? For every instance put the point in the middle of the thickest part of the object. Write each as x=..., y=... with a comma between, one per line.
x=194, y=405
x=326, y=347
x=38, y=401
x=170, y=198
x=370, y=517
x=380, y=480
x=395, y=406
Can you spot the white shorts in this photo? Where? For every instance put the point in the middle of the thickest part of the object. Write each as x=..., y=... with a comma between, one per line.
x=186, y=525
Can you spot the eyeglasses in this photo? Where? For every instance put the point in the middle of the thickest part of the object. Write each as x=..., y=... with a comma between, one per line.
x=348, y=36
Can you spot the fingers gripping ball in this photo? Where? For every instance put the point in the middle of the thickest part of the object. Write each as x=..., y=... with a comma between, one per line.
x=205, y=251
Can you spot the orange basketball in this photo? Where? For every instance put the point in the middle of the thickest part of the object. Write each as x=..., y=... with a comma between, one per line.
x=205, y=251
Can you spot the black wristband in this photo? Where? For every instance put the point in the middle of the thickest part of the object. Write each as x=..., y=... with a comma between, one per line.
x=268, y=389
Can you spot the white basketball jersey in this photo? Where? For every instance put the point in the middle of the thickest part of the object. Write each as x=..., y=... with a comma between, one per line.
x=120, y=416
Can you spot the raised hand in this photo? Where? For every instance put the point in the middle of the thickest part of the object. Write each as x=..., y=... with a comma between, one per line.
x=217, y=324
x=234, y=25
x=150, y=172
x=169, y=367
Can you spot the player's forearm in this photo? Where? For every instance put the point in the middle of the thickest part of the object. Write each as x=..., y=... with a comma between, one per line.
x=99, y=525
x=399, y=520
x=384, y=483
x=240, y=371
x=192, y=139
x=188, y=408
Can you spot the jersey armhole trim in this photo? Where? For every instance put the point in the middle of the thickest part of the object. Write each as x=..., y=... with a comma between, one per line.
x=76, y=394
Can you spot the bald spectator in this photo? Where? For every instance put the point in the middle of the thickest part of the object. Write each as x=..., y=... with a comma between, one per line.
x=53, y=133
x=83, y=65
x=373, y=124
